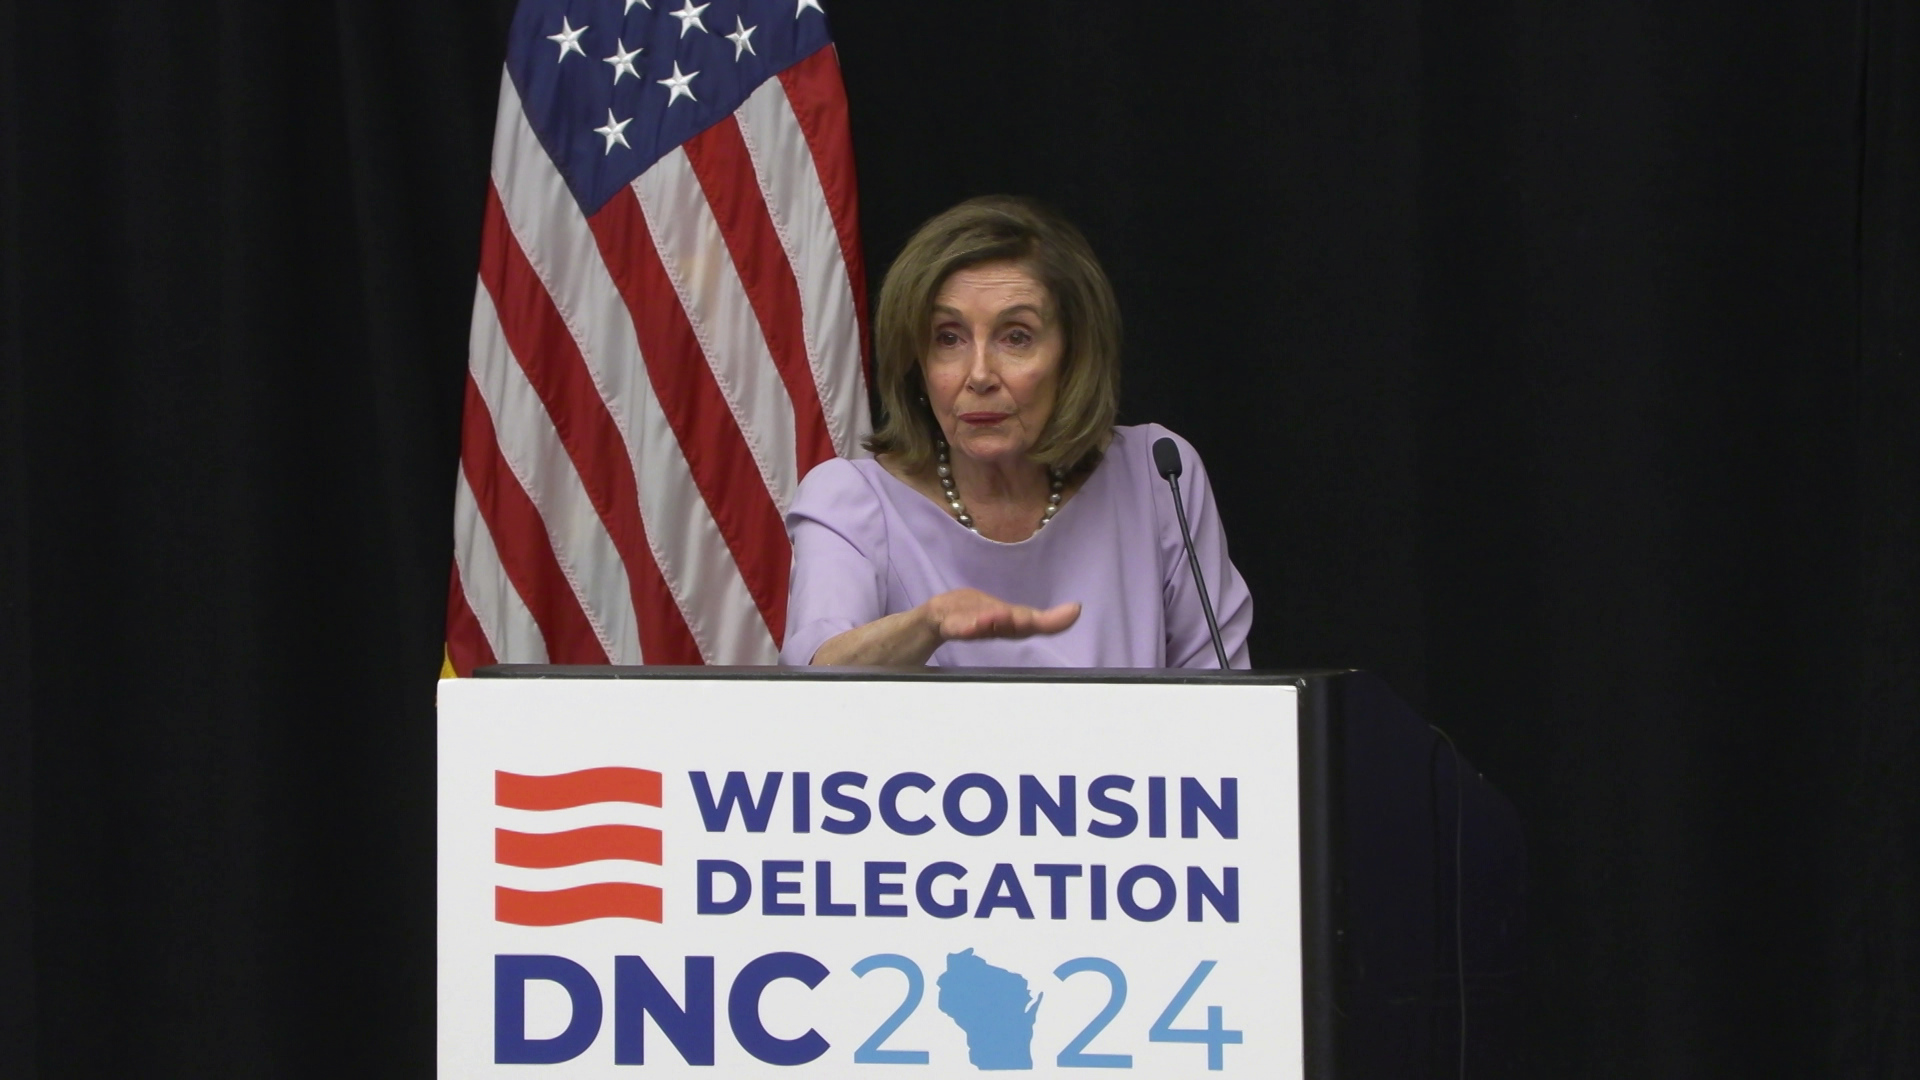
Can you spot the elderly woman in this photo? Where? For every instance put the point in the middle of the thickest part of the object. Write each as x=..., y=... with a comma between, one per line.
x=1004, y=520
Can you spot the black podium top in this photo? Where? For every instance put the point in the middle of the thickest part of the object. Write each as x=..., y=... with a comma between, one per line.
x=902, y=674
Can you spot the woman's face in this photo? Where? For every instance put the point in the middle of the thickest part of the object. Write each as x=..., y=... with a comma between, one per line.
x=992, y=363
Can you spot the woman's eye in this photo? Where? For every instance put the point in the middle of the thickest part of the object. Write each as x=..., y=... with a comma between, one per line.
x=946, y=339
x=1019, y=338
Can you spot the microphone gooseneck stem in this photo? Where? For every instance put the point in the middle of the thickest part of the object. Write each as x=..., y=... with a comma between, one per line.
x=1199, y=580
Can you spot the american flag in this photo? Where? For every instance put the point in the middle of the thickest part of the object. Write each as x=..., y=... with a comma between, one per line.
x=667, y=332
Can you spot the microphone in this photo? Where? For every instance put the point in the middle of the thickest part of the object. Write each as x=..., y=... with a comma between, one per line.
x=1166, y=458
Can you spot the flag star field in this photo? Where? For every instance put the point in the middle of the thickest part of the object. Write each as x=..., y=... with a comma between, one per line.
x=692, y=70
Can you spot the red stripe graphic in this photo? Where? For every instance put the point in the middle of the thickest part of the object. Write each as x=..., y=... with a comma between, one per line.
x=723, y=467
x=819, y=101
x=544, y=851
x=529, y=562
x=607, y=900
x=550, y=356
x=562, y=790
x=719, y=158
x=467, y=646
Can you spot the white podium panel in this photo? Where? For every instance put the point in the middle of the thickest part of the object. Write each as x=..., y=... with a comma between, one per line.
x=914, y=879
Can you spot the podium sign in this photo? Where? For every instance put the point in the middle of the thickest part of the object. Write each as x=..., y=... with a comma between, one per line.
x=919, y=878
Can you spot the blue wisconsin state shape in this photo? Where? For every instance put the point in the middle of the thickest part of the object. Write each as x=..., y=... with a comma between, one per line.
x=991, y=1004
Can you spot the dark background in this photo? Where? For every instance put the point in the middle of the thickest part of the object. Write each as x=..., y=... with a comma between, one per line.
x=1556, y=361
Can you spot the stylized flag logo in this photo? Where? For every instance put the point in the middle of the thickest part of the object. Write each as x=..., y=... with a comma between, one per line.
x=573, y=847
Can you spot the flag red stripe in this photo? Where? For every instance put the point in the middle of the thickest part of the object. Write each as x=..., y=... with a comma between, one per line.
x=605, y=900
x=529, y=559
x=467, y=646
x=550, y=356
x=723, y=467
x=720, y=159
x=544, y=851
x=819, y=101
x=562, y=790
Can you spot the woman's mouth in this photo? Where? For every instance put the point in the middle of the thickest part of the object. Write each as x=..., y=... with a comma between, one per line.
x=983, y=419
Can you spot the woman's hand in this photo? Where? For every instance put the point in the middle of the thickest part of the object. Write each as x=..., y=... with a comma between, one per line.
x=908, y=638
x=967, y=614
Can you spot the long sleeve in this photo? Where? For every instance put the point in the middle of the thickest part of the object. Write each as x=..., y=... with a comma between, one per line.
x=839, y=557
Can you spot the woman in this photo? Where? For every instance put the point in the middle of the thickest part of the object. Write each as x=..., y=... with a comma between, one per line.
x=1004, y=520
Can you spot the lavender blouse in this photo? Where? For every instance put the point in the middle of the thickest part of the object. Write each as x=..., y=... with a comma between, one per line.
x=867, y=545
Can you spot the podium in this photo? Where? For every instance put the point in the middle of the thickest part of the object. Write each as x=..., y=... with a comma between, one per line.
x=747, y=872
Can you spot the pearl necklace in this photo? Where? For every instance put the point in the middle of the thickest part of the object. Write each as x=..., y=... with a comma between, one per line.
x=1056, y=479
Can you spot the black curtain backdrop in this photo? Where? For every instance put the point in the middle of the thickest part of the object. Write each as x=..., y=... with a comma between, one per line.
x=1556, y=361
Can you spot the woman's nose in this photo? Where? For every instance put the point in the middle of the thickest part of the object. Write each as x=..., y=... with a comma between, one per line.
x=981, y=375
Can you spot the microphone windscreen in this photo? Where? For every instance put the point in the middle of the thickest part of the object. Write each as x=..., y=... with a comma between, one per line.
x=1166, y=458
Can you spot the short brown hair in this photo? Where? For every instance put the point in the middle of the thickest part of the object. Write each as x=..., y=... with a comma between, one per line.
x=1000, y=228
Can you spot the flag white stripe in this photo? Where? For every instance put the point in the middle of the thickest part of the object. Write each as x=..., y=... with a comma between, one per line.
x=553, y=879
x=783, y=164
x=496, y=605
x=685, y=541
x=577, y=817
x=694, y=252
x=534, y=453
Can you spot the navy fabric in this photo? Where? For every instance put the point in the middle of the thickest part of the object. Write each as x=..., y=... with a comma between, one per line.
x=568, y=93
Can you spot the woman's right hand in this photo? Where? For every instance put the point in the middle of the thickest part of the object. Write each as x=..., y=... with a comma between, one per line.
x=969, y=614
x=908, y=638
